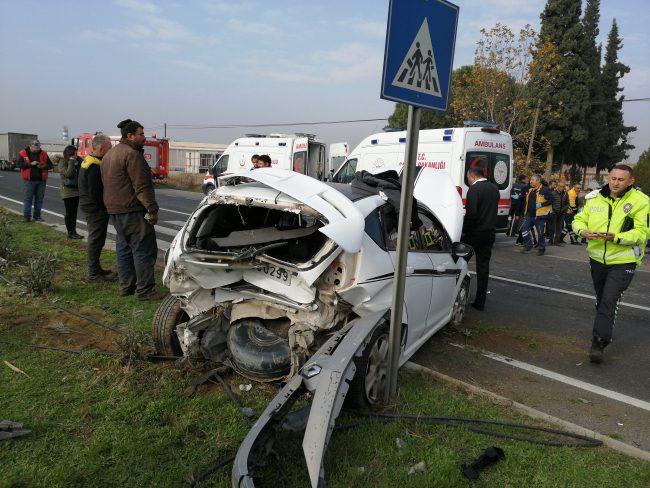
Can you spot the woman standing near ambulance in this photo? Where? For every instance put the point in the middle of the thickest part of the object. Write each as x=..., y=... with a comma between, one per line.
x=69, y=189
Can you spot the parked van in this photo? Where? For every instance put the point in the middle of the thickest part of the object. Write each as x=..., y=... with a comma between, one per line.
x=453, y=150
x=298, y=152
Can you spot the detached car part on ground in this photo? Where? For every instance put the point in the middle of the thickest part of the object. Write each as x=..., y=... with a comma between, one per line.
x=276, y=273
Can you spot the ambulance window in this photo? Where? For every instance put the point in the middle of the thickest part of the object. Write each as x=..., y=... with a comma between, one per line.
x=346, y=173
x=299, y=162
x=501, y=171
x=480, y=160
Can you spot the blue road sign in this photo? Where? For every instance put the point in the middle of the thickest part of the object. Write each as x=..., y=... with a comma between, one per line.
x=419, y=53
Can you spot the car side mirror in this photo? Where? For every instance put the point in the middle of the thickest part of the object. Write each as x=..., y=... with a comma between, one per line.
x=462, y=250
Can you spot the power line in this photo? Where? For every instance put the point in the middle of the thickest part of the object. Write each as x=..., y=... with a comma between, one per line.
x=282, y=124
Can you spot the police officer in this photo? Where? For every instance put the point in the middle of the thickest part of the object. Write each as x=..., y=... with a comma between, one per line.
x=615, y=223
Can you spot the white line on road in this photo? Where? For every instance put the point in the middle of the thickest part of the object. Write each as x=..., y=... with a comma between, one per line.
x=559, y=290
x=586, y=262
x=175, y=211
x=560, y=377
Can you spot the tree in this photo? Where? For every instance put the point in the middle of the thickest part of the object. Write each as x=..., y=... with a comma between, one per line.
x=569, y=94
x=616, y=145
x=642, y=172
x=590, y=150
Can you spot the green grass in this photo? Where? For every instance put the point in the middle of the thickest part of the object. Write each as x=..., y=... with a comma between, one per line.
x=98, y=422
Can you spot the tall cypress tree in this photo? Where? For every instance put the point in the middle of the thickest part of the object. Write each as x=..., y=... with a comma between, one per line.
x=568, y=96
x=592, y=147
x=616, y=143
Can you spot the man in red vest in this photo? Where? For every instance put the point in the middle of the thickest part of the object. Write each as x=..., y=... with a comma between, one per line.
x=34, y=164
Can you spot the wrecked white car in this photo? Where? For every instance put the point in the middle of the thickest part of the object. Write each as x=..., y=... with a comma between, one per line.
x=272, y=263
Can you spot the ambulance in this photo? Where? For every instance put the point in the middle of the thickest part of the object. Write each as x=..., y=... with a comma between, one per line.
x=454, y=150
x=302, y=153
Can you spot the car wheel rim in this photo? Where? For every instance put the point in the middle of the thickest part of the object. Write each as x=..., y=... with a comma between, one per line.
x=376, y=370
x=459, y=305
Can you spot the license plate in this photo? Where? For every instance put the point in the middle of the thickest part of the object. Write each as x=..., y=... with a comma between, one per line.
x=278, y=274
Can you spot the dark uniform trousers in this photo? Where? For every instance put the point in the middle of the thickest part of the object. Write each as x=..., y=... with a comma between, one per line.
x=97, y=224
x=482, y=243
x=610, y=281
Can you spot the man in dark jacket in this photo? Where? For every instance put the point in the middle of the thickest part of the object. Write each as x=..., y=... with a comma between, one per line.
x=91, y=201
x=131, y=204
x=560, y=207
x=34, y=164
x=479, y=228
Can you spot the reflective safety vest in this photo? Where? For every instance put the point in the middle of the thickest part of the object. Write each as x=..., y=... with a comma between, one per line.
x=627, y=217
x=26, y=172
x=546, y=203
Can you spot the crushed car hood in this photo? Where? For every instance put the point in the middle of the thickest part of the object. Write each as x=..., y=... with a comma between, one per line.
x=345, y=224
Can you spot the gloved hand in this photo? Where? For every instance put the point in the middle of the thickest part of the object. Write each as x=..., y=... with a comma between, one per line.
x=538, y=205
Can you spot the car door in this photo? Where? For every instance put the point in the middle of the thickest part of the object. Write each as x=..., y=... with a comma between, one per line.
x=419, y=279
x=437, y=246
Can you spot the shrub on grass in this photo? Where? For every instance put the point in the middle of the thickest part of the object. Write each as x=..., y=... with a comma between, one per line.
x=38, y=275
x=6, y=238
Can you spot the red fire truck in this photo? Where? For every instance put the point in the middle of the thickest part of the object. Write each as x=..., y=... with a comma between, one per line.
x=156, y=151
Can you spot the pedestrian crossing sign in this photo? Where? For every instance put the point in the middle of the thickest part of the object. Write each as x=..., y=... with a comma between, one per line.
x=418, y=59
x=418, y=69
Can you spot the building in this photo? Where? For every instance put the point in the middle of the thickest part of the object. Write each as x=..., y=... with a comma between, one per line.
x=193, y=157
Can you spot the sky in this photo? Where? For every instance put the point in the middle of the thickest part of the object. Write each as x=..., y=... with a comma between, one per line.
x=90, y=64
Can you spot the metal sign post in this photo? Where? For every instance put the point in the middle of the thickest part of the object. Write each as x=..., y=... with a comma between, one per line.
x=418, y=60
x=403, y=233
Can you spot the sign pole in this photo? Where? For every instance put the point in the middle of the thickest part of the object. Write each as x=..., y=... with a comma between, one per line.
x=403, y=233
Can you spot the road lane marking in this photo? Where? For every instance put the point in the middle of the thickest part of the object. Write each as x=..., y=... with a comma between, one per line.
x=587, y=262
x=176, y=211
x=558, y=290
x=613, y=395
x=159, y=228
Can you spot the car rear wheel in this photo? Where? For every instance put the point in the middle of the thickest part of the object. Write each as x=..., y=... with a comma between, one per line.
x=165, y=320
x=369, y=382
x=460, y=304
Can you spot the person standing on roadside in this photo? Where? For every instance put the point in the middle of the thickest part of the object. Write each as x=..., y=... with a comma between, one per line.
x=91, y=201
x=479, y=228
x=515, y=206
x=616, y=223
x=263, y=161
x=130, y=201
x=69, y=189
x=560, y=207
x=34, y=164
x=574, y=195
x=537, y=201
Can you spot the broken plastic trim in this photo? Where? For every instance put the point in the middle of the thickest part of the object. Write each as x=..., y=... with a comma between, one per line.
x=326, y=375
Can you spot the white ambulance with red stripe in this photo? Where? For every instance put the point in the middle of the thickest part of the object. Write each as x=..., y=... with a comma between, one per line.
x=453, y=150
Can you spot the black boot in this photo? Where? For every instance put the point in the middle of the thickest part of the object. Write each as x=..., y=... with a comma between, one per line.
x=597, y=350
x=73, y=235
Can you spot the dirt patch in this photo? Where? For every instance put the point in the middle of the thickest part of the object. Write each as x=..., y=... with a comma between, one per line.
x=57, y=328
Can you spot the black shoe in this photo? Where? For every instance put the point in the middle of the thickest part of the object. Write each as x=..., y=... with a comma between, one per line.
x=152, y=296
x=596, y=352
x=98, y=279
x=540, y=252
x=27, y=219
x=104, y=272
x=39, y=219
x=526, y=249
x=74, y=235
x=477, y=306
x=126, y=292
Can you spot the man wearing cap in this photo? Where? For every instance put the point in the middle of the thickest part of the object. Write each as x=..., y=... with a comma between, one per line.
x=131, y=204
x=34, y=164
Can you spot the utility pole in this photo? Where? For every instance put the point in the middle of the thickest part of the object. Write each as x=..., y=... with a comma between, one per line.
x=532, y=135
x=165, y=130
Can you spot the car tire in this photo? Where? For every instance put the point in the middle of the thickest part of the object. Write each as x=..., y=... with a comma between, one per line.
x=369, y=382
x=460, y=304
x=168, y=315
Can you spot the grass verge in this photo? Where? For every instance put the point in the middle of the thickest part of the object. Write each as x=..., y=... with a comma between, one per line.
x=97, y=420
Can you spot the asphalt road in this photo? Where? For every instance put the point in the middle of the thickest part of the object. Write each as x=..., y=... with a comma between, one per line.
x=531, y=342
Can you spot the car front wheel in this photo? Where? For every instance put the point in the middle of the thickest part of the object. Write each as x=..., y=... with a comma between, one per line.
x=165, y=320
x=460, y=304
x=369, y=382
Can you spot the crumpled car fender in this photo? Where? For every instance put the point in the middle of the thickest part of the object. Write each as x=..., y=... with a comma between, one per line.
x=326, y=375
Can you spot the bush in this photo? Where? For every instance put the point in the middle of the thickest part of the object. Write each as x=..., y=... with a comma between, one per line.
x=6, y=238
x=38, y=275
